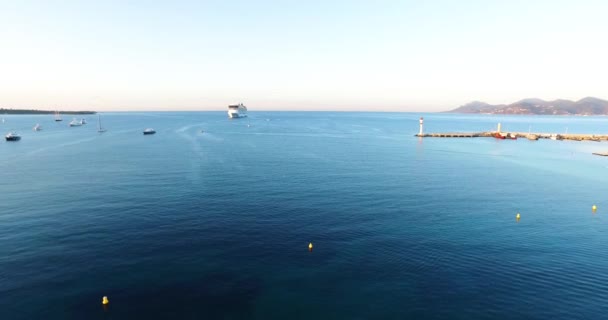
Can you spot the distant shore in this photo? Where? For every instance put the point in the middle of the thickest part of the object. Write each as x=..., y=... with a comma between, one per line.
x=588, y=106
x=33, y=111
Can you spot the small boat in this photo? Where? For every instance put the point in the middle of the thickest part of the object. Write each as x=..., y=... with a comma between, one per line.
x=12, y=136
x=37, y=127
x=503, y=136
x=57, y=116
x=99, y=128
x=83, y=121
x=532, y=137
x=75, y=123
x=149, y=131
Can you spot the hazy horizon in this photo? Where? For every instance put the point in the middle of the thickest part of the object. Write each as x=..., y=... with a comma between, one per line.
x=350, y=108
x=315, y=55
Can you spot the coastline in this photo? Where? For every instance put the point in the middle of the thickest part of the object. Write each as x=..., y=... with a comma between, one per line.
x=33, y=111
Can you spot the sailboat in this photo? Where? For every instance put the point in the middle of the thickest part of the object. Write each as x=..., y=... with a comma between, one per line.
x=37, y=127
x=57, y=116
x=99, y=128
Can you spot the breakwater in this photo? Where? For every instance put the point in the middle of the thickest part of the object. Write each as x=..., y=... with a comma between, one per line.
x=531, y=136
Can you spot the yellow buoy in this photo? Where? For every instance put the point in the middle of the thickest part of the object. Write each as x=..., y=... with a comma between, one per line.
x=517, y=216
x=594, y=208
x=105, y=300
x=310, y=246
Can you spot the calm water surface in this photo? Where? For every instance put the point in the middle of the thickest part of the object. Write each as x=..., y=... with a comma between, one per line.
x=215, y=225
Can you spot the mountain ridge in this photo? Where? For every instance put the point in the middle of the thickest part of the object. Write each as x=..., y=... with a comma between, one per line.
x=533, y=106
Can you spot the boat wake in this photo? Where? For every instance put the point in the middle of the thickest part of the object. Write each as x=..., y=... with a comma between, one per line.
x=61, y=145
x=196, y=166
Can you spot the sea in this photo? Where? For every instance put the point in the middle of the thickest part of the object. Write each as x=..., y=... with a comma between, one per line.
x=211, y=218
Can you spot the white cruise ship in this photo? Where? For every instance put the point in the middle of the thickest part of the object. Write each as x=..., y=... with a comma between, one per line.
x=237, y=111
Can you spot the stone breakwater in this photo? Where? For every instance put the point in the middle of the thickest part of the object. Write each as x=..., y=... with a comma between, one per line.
x=491, y=134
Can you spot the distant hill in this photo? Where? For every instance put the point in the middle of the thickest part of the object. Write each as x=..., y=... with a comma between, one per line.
x=586, y=106
x=32, y=111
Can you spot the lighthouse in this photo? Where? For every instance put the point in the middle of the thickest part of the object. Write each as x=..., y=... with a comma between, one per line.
x=421, y=125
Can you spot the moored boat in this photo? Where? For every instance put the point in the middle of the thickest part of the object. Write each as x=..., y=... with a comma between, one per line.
x=12, y=136
x=149, y=131
x=100, y=129
x=503, y=136
x=532, y=137
x=75, y=123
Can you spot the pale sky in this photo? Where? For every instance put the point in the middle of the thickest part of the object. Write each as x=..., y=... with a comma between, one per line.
x=298, y=55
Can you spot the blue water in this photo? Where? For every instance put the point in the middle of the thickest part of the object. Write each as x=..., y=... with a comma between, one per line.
x=215, y=225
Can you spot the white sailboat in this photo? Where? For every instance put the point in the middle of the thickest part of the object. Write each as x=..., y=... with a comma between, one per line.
x=37, y=127
x=57, y=116
x=99, y=127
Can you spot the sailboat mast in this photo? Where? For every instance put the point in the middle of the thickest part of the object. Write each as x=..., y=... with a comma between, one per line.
x=99, y=127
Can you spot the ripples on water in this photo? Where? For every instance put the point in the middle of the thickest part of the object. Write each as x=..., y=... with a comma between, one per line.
x=185, y=224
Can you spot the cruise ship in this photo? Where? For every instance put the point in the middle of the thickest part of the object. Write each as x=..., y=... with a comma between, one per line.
x=237, y=111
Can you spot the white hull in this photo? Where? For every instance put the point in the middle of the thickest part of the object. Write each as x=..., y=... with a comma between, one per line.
x=234, y=115
x=75, y=123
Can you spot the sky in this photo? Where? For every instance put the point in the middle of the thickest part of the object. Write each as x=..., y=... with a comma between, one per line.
x=298, y=55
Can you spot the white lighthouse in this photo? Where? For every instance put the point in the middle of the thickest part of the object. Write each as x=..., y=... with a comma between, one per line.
x=421, y=126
